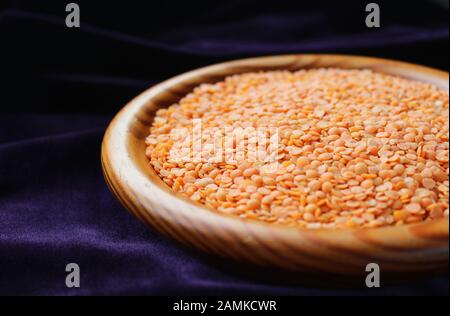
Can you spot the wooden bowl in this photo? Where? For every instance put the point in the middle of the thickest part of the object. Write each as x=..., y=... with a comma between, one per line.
x=410, y=250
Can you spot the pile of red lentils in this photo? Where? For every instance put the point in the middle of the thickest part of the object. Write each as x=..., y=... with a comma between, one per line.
x=356, y=148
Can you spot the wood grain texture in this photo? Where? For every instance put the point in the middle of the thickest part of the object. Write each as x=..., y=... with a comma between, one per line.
x=407, y=250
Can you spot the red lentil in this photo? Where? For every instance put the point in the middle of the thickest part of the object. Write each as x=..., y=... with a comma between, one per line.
x=355, y=148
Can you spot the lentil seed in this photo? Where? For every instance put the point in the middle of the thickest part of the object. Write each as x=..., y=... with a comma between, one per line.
x=386, y=165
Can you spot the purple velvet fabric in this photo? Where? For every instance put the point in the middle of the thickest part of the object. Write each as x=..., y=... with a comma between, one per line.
x=60, y=88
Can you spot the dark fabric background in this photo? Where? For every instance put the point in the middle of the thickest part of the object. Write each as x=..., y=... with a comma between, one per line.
x=60, y=87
